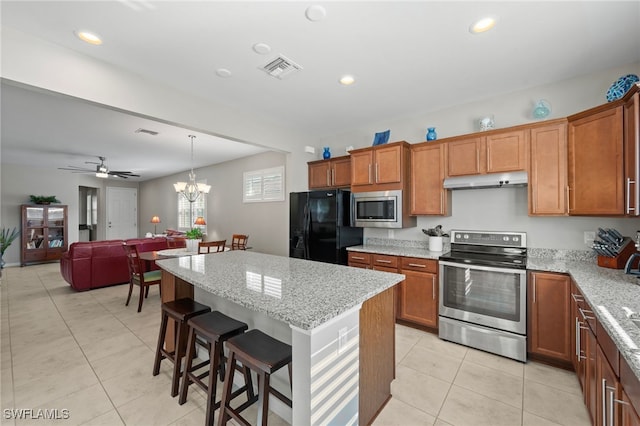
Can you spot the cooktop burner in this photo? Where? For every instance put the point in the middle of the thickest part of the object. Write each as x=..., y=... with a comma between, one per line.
x=497, y=249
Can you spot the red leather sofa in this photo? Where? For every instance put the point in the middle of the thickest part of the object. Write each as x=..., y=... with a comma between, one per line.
x=95, y=264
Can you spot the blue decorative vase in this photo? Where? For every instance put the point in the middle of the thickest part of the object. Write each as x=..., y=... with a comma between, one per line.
x=326, y=154
x=431, y=134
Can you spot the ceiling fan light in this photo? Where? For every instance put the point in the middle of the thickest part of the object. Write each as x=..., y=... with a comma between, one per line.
x=102, y=175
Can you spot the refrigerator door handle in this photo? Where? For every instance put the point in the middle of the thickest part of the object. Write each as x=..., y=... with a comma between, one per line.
x=305, y=231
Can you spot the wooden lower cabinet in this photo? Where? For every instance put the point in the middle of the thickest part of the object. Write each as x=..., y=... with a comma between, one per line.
x=608, y=391
x=629, y=416
x=359, y=259
x=549, y=316
x=418, y=294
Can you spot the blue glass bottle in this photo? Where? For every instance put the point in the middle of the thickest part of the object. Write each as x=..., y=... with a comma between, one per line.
x=326, y=154
x=431, y=134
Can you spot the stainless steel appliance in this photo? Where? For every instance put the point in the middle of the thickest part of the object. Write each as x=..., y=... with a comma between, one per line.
x=380, y=209
x=483, y=292
x=319, y=226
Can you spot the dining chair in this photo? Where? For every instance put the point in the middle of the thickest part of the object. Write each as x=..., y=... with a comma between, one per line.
x=239, y=242
x=211, y=246
x=138, y=275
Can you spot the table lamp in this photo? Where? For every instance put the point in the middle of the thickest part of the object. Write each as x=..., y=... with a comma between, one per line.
x=155, y=220
x=200, y=221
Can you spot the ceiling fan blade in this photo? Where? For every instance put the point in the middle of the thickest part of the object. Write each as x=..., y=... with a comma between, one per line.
x=76, y=169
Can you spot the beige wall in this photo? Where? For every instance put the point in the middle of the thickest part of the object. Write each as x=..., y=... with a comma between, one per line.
x=266, y=223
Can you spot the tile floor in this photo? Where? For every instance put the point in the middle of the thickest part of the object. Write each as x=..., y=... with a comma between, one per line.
x=91, y=355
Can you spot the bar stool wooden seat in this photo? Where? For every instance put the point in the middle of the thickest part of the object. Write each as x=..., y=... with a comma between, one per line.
x=180, y=310
x=264, y=355
x=214, y=328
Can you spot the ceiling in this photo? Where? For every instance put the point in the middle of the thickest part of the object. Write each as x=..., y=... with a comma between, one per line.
x=406, y=57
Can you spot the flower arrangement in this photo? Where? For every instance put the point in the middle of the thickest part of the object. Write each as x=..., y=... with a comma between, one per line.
x=43, y=199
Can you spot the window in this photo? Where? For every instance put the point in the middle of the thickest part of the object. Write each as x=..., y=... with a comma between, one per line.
x=186, y=217
x=264, y=185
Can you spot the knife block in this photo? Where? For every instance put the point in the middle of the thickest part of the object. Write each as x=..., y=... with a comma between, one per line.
x=620, y=260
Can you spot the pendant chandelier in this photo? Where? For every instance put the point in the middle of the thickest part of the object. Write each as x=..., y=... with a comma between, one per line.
x=191, y=190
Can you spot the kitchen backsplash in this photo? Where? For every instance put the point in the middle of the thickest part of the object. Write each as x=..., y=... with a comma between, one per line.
x=421, y=244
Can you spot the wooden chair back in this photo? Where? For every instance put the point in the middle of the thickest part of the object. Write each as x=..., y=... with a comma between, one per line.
x=136, y=265
x=211, y=246
x=239, y=242
x=176, y=242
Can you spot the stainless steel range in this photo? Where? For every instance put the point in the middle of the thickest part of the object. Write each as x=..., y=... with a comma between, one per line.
x=483, y=292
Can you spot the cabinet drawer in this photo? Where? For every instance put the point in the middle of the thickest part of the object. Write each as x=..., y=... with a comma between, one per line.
x=359, y=257
x=384, y=260
x=630, y=383
x=419, y=265
x=609, y=348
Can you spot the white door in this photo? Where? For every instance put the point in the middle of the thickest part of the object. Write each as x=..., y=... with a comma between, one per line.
x=122, y=213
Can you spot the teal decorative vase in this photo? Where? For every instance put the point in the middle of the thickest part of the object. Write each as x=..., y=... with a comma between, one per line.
x=326, y=154
x=431, y=134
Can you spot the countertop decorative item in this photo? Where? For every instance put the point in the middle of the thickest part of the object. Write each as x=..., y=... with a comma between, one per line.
x=381, y=137
x=541, y=109
x=431, y=134
x=43, y=199
x=326, y=154
x=621, y=86
x=487, y=123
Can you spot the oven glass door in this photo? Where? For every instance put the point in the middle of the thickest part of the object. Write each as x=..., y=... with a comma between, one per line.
x=494, y=297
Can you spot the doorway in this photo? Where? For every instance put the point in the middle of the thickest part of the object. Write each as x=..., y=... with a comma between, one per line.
x=87, y=213
x=122, y=213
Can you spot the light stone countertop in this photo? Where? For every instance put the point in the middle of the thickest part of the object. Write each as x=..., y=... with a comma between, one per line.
x=299, y=292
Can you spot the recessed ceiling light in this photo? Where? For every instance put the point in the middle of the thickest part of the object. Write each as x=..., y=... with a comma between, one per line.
x=347, y=80
x=482, y=25
x=223, y=72
x=261, y=48
x=88, y=37
x=315, y=13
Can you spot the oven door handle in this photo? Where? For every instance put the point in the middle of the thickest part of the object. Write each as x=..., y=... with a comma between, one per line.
x=482, y=268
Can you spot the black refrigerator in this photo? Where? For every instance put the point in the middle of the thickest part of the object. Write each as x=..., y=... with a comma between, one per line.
x=320, y=228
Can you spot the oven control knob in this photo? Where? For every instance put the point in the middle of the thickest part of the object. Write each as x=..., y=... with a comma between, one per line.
x=465, y=236
x=505, y=238
x=516, y=239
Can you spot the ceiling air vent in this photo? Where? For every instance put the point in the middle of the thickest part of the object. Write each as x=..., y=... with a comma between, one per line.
x=149, y=132
x=281, y=67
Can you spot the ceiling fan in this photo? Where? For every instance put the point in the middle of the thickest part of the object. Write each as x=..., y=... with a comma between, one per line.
x=101, y=170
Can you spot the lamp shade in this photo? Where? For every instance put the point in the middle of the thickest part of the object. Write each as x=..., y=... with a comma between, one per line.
x=200, y=221
x=155, y=219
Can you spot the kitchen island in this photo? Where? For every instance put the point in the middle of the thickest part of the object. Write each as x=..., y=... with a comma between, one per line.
x=339, y=321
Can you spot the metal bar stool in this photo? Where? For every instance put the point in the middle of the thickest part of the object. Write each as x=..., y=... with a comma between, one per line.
x=264, y=355
x=214, y=328
x=180, y=310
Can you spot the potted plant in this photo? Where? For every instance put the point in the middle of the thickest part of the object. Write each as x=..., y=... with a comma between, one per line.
x=43, y=199
x=194, y=236
x=6, y=238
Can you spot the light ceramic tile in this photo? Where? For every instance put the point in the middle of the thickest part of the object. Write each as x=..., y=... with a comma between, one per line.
x=31, y=353
x=98, y=332
x=529, y=419
x=195, y=417
x=500, y=363
x=128, y=359
x=433, y=363
x=133, y=383
x=111, y=418
x=553, y=404
x=47, y=364
x=48, y=388
x=464, y=407
x=419, y=390
x=396, y=410
x=81, y=406
x=157, y=407
x=41, y=341
x=434, y=343
x=440, y=422
x=550, y=376
x=110, y=346
x=490, y=383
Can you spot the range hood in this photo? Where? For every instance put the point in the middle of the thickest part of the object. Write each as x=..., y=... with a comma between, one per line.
x=493, y=180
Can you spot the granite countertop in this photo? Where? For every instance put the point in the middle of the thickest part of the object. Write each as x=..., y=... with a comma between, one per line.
x=299, y=292
x=397, y=251
x=613, y=296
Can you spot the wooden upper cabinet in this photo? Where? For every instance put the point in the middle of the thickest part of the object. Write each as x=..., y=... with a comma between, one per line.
x=464, y=157
x=596, y=166
x=631, y=153
x=548, y=170
x=333, y=173
x=427, y=174
x=507, y=151
x=380, y=168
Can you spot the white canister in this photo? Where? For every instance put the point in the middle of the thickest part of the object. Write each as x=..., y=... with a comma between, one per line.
x=435, y=243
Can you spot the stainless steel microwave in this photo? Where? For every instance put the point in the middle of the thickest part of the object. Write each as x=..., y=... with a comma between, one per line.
x=379, y=209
